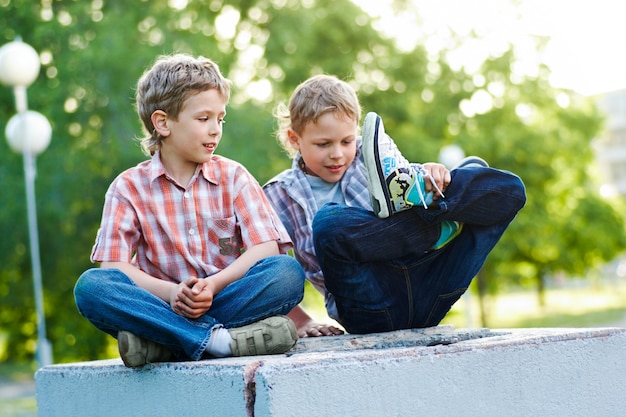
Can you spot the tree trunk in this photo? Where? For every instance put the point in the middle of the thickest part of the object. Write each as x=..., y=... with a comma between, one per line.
x=481, y=284
x=541, y=289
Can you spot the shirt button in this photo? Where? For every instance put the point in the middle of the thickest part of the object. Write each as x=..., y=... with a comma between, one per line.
x=192, y=232
x=186, y=195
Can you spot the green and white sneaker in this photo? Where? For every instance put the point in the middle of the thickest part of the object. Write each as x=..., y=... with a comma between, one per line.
x=136, y=351
x=394, y=183
x=270, y=336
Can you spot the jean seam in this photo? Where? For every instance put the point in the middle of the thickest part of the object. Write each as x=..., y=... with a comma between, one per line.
x=440, y=299
x=409, y=291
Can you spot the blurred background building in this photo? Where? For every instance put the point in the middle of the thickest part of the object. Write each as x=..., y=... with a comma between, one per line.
x=611, y=144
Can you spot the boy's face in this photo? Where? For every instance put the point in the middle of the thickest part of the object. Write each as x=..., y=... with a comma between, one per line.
x=193, y=137
x=327, y=146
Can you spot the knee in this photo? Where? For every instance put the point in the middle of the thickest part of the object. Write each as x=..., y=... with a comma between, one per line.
x=85, y=288
x=289, y=276
x=85, y=283
x=508, y=185
x=291, y=268
x=329, y=224
x=519, y=189
x=91, y=286
x=515, y=191
x=325, y=218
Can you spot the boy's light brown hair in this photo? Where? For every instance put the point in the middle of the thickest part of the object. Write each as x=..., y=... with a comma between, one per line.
x=168, y=84
x=313, y=98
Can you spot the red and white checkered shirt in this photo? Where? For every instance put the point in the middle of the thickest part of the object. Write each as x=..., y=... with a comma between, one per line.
x=172, y=232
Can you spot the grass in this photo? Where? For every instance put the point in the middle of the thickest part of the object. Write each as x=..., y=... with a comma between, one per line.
x=565, y=307
x=18, y=407
x=21, y=406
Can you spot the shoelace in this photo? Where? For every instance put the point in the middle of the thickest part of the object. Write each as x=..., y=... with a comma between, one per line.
x=420, y=170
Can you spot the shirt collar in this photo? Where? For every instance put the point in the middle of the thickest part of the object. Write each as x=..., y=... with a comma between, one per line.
x=208, y=171
x=157, y=169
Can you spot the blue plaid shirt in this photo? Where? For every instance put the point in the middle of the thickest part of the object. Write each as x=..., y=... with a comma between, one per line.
x=291, y=195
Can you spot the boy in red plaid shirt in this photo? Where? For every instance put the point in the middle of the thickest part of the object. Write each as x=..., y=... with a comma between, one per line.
x=192, y=255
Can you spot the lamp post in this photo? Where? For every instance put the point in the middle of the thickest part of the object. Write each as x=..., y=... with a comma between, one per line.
x=29, y=133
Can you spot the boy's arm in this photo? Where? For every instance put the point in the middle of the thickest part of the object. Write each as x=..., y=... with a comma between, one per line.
x=197, y=298
x=307, y=327
x=241, y=265
x=193, y=297
x=172, y=293
x=158, y=287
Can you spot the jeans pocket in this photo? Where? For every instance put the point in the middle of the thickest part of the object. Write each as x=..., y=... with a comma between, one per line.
x=360, y=321
x=442, y=305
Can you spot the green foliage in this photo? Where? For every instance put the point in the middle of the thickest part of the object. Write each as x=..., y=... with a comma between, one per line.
x=94, y=52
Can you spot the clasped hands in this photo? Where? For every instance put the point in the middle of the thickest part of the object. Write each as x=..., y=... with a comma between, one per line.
x=192, y=297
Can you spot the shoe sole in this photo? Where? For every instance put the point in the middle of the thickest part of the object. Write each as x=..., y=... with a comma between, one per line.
x=124, y=342
x=379, y=195
x=470, y=161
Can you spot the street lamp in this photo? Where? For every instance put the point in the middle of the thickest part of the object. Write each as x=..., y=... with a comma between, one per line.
x=28, y=133
x=450, y=155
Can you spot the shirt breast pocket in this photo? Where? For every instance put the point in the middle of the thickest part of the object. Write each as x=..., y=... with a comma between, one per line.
x=225, y=234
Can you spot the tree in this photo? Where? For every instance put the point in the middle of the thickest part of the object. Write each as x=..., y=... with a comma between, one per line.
x=544, y=135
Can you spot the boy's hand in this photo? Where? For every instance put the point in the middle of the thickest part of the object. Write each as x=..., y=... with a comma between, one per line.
x=192, y=297
x=440, y=174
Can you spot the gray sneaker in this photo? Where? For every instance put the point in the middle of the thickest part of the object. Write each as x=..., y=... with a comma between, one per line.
x=136, y=351
x=270, y=336
x=393, y=182
x=471, y=161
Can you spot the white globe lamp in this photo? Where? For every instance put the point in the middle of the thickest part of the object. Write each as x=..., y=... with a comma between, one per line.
x=19, y=64
x=29, y=131
x=450, y=155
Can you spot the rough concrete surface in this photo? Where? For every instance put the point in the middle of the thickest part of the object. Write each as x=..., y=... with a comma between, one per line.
x=439, y=371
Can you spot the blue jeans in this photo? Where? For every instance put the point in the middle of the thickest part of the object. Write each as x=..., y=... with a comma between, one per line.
x=111, y=301
x=381, y=272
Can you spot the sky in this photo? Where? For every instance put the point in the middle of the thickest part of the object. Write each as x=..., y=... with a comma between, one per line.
x=586, y=51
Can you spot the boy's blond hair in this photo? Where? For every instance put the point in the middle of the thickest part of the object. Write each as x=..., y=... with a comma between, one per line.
x=313, y=98
x=168, y=84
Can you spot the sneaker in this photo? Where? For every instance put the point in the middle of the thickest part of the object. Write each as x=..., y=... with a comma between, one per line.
x=449, y=230
x=137, y=351
x=270, y=336
x=471, y=161
x=394, y=183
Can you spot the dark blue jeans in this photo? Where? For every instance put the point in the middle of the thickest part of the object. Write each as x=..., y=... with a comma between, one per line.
x=111, y=301
x=380, y=271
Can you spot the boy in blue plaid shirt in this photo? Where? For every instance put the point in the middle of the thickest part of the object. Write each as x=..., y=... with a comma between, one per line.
x=390, y=244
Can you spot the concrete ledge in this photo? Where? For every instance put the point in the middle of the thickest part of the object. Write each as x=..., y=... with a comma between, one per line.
x=439, y=371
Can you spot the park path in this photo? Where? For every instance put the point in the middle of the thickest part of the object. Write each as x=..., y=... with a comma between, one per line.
x=16, y=389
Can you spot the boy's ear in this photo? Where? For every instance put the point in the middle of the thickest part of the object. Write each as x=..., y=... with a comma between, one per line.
x=294, y=139
x=159, y=121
